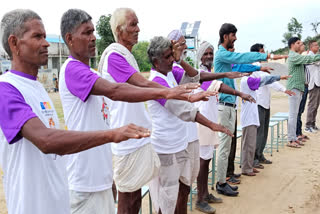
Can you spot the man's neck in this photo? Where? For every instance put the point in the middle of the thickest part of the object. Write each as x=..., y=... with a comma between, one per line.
x=25, y=68
x=125, y=44
x=82, y=59
x=162, y=72
x=224, y=45
x=208, y=67
x=291, y=49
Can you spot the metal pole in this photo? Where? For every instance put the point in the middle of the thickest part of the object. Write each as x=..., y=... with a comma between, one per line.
x=60, y=58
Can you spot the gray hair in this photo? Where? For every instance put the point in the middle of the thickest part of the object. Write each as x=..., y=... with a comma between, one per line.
x=12, y=23
x=118, y=19
x=72, y=19
x=157, y=46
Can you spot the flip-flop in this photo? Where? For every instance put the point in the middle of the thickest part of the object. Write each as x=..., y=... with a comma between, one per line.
x=300, y=143
x=305, y=137
x=293, y=145
x=301, y=139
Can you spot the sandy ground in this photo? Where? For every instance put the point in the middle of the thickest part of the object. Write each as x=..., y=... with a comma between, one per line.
x=290, y=185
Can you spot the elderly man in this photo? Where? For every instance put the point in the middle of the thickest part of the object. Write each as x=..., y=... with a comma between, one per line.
x=31, y=146
x=314, y=89
x=227, y=112
x=296, y=84
x=170, y=188
x=204, y=76
x=85, y=108
x=208, y=139
x=118, y=65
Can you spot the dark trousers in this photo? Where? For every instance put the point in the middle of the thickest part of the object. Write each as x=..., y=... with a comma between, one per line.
x=301, y=110
x=262, y=133
x=232, y=155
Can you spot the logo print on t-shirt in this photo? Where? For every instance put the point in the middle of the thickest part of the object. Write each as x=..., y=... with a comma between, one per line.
x=45, y=105
x=51, y=123
x=105, y=111
x=46, y=109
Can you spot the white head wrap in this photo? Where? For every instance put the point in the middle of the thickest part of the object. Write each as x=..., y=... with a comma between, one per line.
x=175, y=35
x=203, y=47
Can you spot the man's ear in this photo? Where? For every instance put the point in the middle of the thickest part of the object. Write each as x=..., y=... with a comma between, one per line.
x=68, y=38
x=156, y=63
x=119, y=31
x=225, y=37
x=13, y=44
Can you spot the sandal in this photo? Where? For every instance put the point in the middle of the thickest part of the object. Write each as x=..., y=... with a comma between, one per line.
x=301, y=139
x=293, y=144
x=300, y=143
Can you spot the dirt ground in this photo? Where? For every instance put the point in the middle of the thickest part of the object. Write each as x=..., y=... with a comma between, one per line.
x=290, y=185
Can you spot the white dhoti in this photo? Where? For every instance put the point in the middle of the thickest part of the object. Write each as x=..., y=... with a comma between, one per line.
x=136, y=169
x=92, y=202
x=193, y=150
x=206, y=152
x=164, y=188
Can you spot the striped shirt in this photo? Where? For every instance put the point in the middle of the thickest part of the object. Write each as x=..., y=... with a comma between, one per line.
x=296, y=69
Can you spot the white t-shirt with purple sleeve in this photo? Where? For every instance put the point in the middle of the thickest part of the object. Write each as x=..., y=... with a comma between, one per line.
x=116, y=69
x=208, y=108
x=90, y=170
x=169, y=133
x=249, y=111
x=192, y=129
x=34, y=182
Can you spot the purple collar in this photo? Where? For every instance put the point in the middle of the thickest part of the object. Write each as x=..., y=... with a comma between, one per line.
x=21, y=74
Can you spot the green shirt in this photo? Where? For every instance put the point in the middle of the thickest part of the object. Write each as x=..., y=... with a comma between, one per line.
x=296, y=69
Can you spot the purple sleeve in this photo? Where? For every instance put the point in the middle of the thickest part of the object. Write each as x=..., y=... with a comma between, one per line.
x=119, y=68
x=80, y=79
x=253, y=83
x=162, y=82
x=205, y=85
x=15, y=112
x=177, y=73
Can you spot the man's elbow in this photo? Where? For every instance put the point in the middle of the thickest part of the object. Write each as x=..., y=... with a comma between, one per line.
x=116, y=92
x=43, y=145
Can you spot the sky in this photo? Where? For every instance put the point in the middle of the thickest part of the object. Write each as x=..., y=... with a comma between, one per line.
x=257, y=21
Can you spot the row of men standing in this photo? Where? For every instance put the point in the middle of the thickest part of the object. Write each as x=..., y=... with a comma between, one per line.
x=172, y=159
x=32, y=145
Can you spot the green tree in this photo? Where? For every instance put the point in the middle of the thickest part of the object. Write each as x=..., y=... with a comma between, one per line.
x=139, y=52
x=294, y=29
x=189, y=61
x=286, y=37
x=105, y=33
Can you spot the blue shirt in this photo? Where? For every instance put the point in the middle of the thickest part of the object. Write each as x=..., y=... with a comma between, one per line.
x=222, y=63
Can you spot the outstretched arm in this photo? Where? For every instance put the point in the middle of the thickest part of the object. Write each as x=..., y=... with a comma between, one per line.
x=228, y=90
x=211, y=125
x=208, y=76
x=127, y=92
x=63, y=142
x=185, y=111
x=266, y=80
